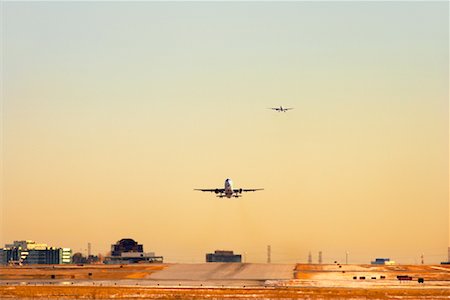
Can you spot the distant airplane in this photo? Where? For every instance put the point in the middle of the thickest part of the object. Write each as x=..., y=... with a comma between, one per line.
x=228, y=190
x=281, y=108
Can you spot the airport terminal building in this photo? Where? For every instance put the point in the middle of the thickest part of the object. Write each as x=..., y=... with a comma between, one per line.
x=128, y=251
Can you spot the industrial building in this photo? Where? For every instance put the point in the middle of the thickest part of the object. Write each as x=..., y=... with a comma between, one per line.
x=128, y=251
x=223, y=256
x=382, y=261
x=79, y=258
x=29, y=252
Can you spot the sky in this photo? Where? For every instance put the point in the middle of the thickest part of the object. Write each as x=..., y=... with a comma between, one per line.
x=113, y=113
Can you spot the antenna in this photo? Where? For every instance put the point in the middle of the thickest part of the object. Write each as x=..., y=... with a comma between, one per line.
x=269, y=260
x=320, y=257
x=89, y=249
x=309, y=258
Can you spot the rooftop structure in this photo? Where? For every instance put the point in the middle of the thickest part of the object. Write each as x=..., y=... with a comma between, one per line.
x=27, y=244
x=126, y=245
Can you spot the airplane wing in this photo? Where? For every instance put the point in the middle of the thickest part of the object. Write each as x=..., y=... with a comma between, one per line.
x=211, y=190
x=246, y=190
x=288, y=108
x=274, y=108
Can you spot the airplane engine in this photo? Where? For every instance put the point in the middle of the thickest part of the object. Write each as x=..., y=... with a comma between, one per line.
x=216, y=191
x=240, y=191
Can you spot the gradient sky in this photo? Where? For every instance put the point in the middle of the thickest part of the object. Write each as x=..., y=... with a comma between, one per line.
x=112, y=113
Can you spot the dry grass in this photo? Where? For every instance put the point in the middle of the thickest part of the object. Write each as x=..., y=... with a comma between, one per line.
x=95, y=272
x=312, y=273
x=62, y=292
x=428, y=272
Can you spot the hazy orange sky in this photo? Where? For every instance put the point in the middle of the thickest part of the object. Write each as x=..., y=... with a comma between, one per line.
x=112, y=113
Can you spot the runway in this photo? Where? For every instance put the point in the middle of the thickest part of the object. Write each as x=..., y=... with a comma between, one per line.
x=225, y=271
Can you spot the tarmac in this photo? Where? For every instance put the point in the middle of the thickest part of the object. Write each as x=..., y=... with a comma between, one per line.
x=225, y=271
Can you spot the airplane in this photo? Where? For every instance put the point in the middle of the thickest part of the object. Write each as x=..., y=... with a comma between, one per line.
x=281, y=108
x=228, y=190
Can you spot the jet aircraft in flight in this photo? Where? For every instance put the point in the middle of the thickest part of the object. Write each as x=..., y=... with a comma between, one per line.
x=281, y=109
x=228, y=190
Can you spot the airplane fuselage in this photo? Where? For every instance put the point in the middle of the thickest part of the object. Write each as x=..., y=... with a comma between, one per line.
x=228, y=188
